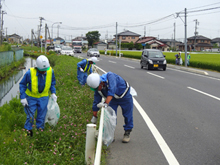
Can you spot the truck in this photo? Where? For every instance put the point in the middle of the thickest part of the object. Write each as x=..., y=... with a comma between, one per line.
x=77, y=46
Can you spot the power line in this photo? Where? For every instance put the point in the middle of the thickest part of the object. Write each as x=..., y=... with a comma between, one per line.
x=204, y=6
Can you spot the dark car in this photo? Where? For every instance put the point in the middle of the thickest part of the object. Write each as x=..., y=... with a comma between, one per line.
x=50, y=48
x=153, y=59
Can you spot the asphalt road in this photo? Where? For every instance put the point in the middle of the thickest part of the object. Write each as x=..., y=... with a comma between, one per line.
x=176, y=116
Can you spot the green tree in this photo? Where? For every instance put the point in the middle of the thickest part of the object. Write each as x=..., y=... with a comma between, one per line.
x=92, y=37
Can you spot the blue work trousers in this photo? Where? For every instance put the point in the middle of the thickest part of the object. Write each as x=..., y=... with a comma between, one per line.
x=81, y=76
x=126, y=105
x=39, y=104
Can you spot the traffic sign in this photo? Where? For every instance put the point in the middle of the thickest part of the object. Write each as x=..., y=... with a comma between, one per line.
x=41, y=37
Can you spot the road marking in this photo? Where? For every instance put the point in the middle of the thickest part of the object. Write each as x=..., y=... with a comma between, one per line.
x=155, y=75
x=129, y=66
x=217, y=98
x=112, y=61
x=195, y=74
x=160, y=141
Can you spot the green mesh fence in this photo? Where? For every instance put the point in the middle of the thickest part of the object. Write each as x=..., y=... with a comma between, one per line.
x=19, y=54
x=6, y=58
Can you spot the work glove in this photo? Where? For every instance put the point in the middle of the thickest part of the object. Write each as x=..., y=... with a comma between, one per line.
x=81, y=70
x=101, y=104
x=94, y=119
x=54, y=97
x=24, y=102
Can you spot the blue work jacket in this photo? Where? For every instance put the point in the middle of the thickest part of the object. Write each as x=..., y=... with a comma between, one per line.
x=82, y=64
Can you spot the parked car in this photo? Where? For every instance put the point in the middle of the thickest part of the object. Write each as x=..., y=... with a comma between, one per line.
x=50, y=48
x=66, y=50
x=57, y=48
x=93, y=52
x=153, y=59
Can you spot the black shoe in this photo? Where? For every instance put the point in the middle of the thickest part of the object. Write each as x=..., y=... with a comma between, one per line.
x=30, y=133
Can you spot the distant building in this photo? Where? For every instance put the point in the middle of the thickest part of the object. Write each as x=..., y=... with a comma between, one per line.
x=127, y=36
x=14, y=38
x=100, y=45
x=171, y=43
x=216, y=41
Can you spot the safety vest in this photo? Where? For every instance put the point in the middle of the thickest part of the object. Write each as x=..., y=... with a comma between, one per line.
x=87, y=66
x=34, y=84
x=117, y=96
x=188, y=57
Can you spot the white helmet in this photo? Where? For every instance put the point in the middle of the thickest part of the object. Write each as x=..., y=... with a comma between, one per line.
x=43, y=63
x=93, y=59
x=93, y=80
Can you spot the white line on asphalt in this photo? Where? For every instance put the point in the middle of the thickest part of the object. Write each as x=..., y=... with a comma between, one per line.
x=160, y=141
x=155, y=75
x=217, y=98
x=195, y=74
x=129, y=66
x=112, y=61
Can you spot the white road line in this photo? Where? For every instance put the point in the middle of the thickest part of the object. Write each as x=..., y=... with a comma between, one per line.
x=129, y=66
x=112, y=61
x=217, y=98
x=195, y=74
x=160, y=141
x=155, y=75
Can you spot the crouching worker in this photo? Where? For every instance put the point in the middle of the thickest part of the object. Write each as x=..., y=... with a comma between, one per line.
x=83, y=67
x=34, y=92
x=116, y=92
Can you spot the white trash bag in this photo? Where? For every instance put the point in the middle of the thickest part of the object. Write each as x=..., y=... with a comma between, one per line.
x=109, y=126
x=53, y=112
x=133, y=91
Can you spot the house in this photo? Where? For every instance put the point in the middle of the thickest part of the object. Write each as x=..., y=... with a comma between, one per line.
x=100, y=45
x=14, y=38
x=153, y=43
x=58, y=41
x=196, y=43
x=127, y=36
x=171, y=43
x=216, y=41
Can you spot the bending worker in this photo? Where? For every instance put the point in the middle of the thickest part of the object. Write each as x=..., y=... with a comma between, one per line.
x=83, y=67
x=34, y=92
x=116, y=92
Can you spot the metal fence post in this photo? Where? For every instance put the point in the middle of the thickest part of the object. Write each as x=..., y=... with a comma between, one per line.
x=90, y=143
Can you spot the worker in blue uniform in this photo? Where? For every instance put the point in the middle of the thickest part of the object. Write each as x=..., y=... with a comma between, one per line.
x=83, y=67
x=116, y=92
x=34, y=92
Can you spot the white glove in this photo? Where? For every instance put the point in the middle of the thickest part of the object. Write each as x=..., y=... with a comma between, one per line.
x=24, y=102
x=94, y=119
x=54, y=97
x=101, y=104
x=81, y=70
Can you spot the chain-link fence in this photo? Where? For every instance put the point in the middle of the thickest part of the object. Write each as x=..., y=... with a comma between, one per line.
x=6, y=58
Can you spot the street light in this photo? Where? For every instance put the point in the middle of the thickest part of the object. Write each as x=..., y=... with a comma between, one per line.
x=52, y=31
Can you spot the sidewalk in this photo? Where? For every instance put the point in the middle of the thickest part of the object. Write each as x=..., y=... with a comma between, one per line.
x=196, y=71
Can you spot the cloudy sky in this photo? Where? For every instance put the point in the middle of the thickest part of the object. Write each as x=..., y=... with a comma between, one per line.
x=144, y=17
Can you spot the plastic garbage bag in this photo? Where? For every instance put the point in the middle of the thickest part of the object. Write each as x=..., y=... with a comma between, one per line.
x=109, y=126
x=133, y=91
x=53, y=112
x=181, y=61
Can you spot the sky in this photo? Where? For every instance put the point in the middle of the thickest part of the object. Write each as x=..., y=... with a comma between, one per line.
x=144, y=17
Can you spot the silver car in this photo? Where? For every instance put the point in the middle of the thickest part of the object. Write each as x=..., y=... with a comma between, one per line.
x=93, y=52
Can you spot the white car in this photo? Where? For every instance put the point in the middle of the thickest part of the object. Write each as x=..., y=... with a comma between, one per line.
x=66, y=50
x=57, y=48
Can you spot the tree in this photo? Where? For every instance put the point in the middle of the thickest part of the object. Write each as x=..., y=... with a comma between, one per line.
x=92, y=37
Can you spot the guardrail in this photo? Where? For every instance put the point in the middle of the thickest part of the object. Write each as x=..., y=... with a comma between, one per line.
x=92, y=154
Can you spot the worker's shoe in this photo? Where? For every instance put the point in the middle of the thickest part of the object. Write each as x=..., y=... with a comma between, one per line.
x=126, y=138
x=29, y=133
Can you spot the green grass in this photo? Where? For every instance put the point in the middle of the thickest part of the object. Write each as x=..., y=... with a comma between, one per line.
x=63, y=144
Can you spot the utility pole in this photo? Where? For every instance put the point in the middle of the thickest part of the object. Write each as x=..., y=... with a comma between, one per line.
x=58, y=26
x=41, y=18
x=0, y=19
x=116, y=39
x=32, y=31
x=174, y=36
x=144, y=31
x=6, y=36
x=3, y=12
x=45, y=44
x=185, y=39
x=196, y=23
